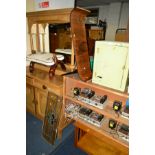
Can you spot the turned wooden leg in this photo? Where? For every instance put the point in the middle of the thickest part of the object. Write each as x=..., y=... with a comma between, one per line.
x=31, y=67
x=62, y=65
x=52, y=71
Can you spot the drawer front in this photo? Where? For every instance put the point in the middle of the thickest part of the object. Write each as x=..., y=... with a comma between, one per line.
x=40, y=85
x=29, y=80
x=57, y=91
x=46, y=87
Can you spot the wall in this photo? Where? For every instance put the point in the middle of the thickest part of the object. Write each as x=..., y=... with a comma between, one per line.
x=54, y=4
x=124, y=15
x=103, y=12
x=113, y=20
x=116, y=15
x=30, y=5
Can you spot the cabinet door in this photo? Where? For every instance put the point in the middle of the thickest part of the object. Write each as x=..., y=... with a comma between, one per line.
x=41, y=96
x=30, y=106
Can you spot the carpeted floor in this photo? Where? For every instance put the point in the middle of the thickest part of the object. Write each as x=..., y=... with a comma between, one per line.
x=37, y=145
x=68, y=148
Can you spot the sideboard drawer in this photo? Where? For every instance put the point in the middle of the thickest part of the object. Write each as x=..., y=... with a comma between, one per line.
x=40, y=85
x=29, y=80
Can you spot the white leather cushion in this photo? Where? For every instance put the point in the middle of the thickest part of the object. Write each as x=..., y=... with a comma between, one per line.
x=43, y=58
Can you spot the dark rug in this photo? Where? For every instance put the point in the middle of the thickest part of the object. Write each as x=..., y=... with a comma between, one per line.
x=68, y=148
x=35, y=143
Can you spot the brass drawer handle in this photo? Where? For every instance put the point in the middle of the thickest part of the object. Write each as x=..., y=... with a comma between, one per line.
x=44, y=87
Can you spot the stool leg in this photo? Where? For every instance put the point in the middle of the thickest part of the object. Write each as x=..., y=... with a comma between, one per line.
x=31, y=67
x=52, y=71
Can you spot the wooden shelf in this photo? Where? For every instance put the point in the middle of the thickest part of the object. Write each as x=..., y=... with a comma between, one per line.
x=106, y=111
x=89, y=83
x=104, y=130
x=97, y=140
x=101, y=131
x=96, y=146
x=64, y=51
x=100, y=90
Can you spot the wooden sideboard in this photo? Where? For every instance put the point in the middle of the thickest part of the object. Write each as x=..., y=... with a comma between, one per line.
x=37, y=86
x=38, y=83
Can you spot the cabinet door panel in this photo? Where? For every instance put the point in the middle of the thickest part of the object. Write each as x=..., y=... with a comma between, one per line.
x=30, y=106
x=41, y=102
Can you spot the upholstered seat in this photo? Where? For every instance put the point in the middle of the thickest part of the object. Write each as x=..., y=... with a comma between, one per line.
x=44, y=58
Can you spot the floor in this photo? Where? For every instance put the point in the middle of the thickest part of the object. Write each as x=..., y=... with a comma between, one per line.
x=37, y=145
x=68, y=148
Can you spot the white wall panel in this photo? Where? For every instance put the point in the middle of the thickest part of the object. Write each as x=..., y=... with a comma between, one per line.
x=54, y=4
x=116, y=15
x=113, y=20
x=103, y=12
x=124, y=15
x=30, y=5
